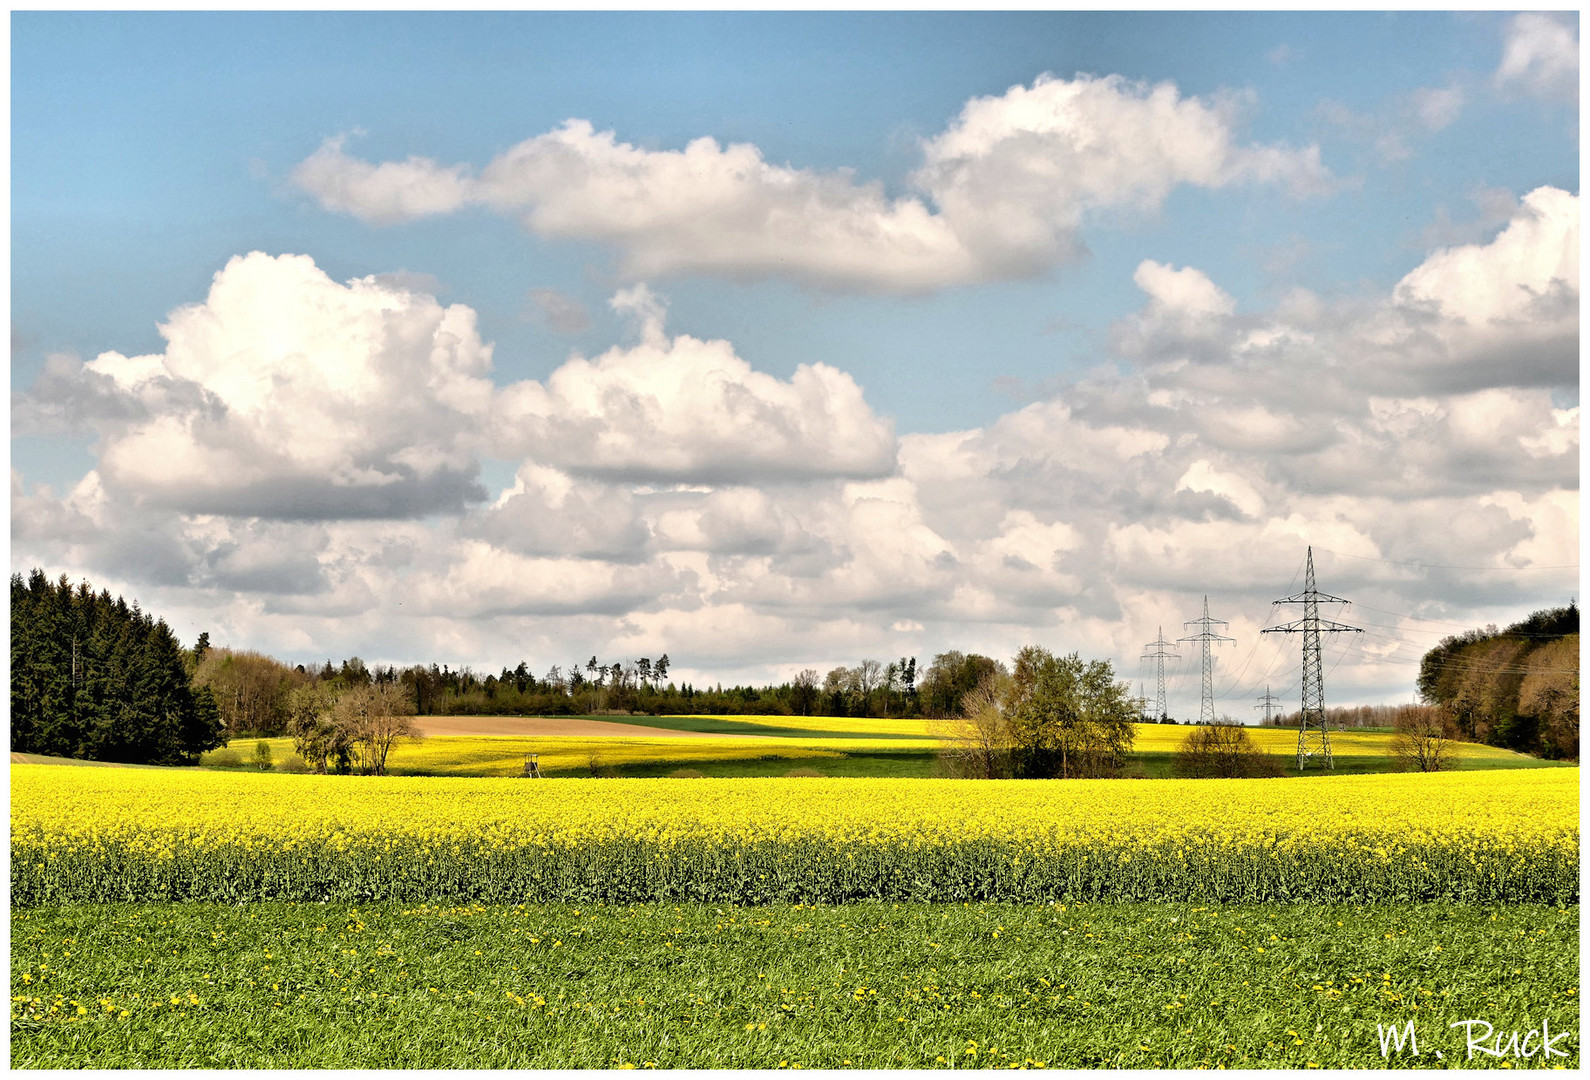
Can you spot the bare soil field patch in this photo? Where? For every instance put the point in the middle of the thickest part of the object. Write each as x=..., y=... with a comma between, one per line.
x=528, y=726
x=45, y=759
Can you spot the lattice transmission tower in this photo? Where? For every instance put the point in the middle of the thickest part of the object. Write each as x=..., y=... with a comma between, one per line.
x=1159, y=645
x=1313, y=734
x=1206, y=635
x=1140, y=703
x=1270, y=704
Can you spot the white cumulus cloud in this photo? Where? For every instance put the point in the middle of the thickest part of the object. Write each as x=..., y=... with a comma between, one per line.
x=1002, y=192
x=285, y=394
x=679, y=409
x=1540, y=57
x=671, y=498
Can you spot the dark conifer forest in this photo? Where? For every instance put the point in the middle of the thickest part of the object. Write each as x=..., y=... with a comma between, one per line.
x=96, y=679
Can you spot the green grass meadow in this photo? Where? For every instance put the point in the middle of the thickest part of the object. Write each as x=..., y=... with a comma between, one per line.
x=856, y=986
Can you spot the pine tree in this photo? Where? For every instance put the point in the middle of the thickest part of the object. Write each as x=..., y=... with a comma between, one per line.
x=93, y=678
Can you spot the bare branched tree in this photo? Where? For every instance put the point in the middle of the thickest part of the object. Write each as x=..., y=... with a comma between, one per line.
x=373, y=718
x=868, y=677
x=1426, y=740
x=803, y=691
x=978, y=743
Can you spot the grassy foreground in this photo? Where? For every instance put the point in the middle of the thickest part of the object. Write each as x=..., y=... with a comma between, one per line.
x=866, y=985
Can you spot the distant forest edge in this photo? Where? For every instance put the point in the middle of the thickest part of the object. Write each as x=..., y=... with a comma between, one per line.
x=1517, y=688
x=95, y=678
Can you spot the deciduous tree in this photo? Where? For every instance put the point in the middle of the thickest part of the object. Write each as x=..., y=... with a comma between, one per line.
x=1426, y=740
x=980, y=742
x=1068, y=718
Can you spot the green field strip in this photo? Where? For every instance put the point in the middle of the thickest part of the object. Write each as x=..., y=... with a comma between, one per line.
x=872, y=985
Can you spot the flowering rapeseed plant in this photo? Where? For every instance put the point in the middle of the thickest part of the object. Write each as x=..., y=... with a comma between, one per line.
x=111, y=834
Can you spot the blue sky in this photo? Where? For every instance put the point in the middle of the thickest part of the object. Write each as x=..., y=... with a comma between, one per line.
x=1079, y=293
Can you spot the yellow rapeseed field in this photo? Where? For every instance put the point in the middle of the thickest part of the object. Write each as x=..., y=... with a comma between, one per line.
x=504, y=755
x=1167, y=739
x=110, y=834
x=500, y=755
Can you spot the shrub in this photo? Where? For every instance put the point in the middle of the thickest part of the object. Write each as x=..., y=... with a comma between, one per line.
x=223, y=758
x=1224, y=749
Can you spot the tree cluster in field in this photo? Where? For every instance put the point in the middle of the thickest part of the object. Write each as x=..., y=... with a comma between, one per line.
x=1516, y=688
x=341, y=719
x=1044, y=716
x=348, y=727
x=94, y=678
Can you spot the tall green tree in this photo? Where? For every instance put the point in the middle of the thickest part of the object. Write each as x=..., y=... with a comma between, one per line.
x=1067, y=717
x=94, y=678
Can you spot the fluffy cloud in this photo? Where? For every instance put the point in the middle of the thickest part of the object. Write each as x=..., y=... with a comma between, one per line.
x=547, y=512
x=1501, y=313
x=672, y=499
x=381, y=194
x=683, y=410
x=480, y=580
x=287, y=395
x=1533, y=263
x=1541, y=58
x=1001, y=193
x=1015, y=174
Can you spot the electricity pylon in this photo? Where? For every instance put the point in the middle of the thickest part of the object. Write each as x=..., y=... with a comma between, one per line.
x=1206, y=714
x=1313, y=736
x=1158, y=656
x=1270, y=704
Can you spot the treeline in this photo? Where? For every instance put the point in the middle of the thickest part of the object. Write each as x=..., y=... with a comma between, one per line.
x=253, y=691
x=1516, y=688
x=1358, y=716
x=95, y=678
x=871, y=688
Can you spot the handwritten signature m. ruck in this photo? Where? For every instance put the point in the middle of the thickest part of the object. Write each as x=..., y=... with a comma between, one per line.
x=1480, y=1037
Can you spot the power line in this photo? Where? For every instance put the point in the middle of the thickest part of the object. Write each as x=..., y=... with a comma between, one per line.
x=1443, y=566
